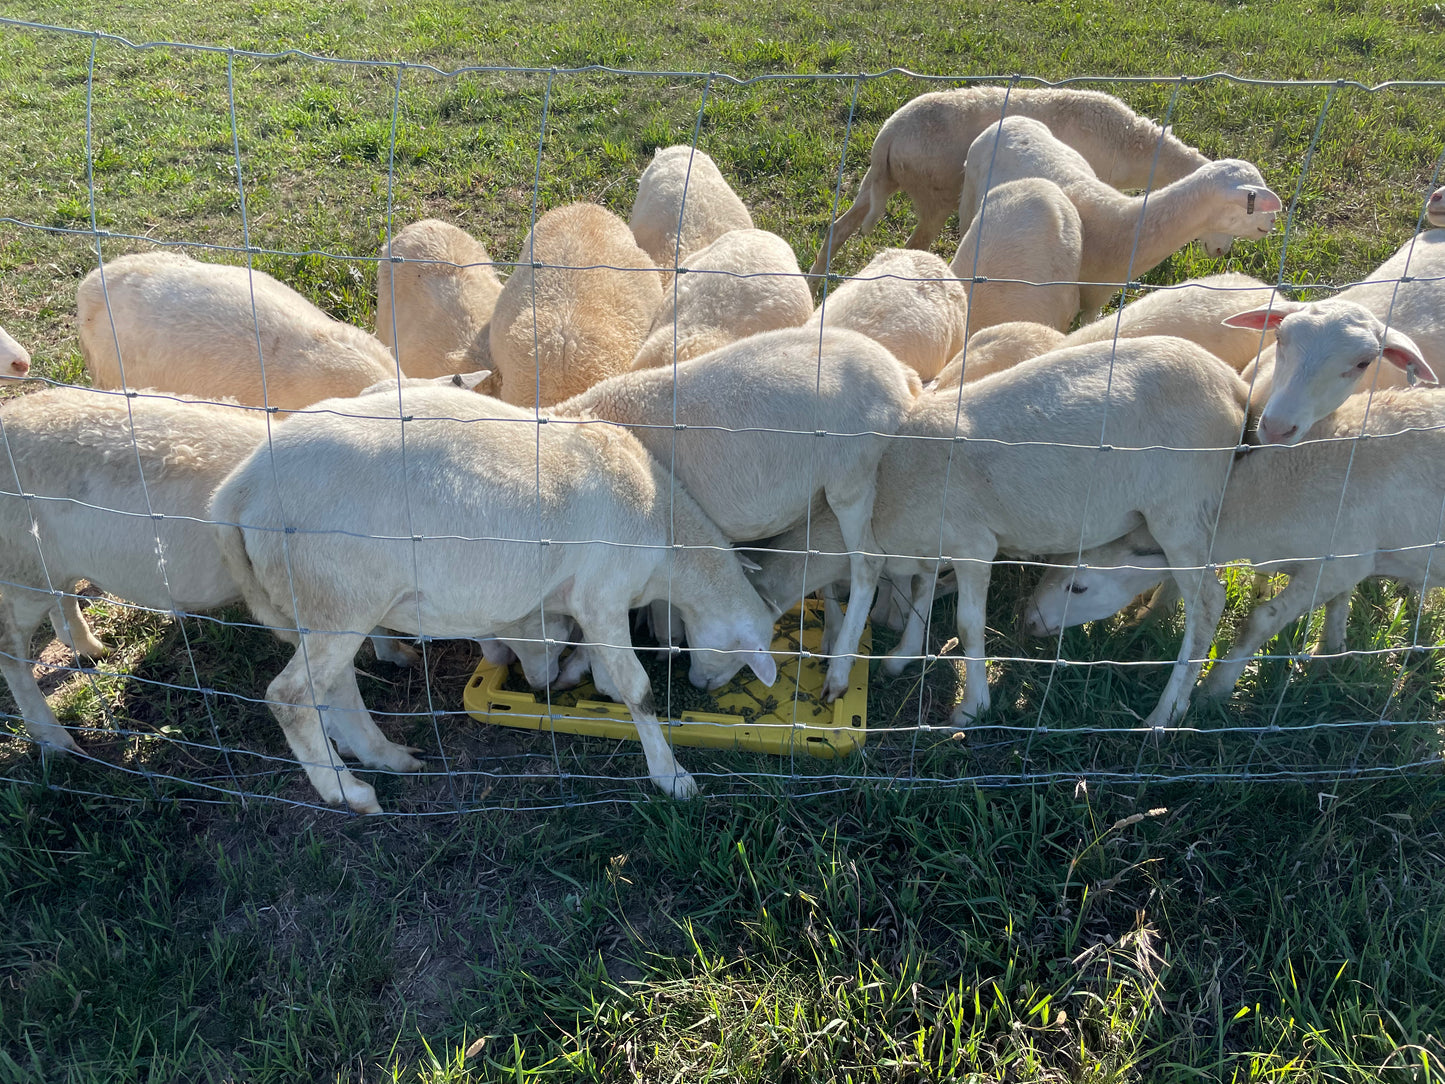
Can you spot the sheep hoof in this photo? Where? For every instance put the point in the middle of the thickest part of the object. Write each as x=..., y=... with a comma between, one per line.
x=396, y=652
x=54, y=740
x=894, y=665
x=680, y=786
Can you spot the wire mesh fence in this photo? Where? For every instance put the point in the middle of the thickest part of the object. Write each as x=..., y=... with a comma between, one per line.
x=307, y=167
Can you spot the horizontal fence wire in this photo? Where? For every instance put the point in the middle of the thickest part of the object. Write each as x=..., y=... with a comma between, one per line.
x=160, y=719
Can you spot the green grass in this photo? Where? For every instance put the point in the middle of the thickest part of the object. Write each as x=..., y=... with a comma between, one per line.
x=1063, y=923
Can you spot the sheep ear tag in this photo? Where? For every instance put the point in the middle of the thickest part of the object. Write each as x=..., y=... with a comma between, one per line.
x=1258, y=200
x=763, y=665
x=468, y=380
x=1265, y=319
x=1400, y=351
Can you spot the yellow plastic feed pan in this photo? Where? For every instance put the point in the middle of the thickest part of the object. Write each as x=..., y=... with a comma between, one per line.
x=815, y=728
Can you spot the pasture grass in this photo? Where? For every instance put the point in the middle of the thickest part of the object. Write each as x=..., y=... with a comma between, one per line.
x=1225, y=903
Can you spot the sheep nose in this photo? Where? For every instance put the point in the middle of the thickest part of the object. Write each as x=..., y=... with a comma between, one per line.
x=1270, y=435
x=20, y=366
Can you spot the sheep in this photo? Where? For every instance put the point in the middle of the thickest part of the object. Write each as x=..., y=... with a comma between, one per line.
x=617, y=534
x=1124, y=236
x=909, y=301
x=194, y=328
x=577, y=308
x=1285, y=511
x=15, y=359
x=765, y=425
x=1435, y=207
x=1403, y=292
x=445, y=290
x=745, y=282
x=923, y=148
x=682, y=189
x=1022, y=478
x=1324, y=352
x=995, y=348
x=1030, y=234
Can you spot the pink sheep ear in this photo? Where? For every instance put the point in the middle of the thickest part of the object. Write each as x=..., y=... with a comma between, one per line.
x=1400, y=350
x=1260, y=200
x=1265, y=319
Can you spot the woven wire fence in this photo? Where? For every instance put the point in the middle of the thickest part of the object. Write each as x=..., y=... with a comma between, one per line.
x=185, y=713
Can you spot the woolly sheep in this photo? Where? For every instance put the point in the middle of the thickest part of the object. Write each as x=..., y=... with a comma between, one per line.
x=1404, y=292
x=576, y=309
x=15, y=359
x=1021, y=480
x=996, y=348
x=445, y=290
x=1290, y=509
x=766, y=425
x=620, y=535
x=683, y=183
x=1124, y=236
x=745, y=282
x=923, y=149
x=193, y=328
x=1029, y=234
x=83, y=455
x=909, y=301
x=1435, y=208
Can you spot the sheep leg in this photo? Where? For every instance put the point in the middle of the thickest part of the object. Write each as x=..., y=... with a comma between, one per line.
x=855, y=517
x=1337, y=617
x=350, y=725
x=321, y=662
x=1204, y=599
x=21, y=612
x=973, y=576
x=72, y=630
x=915, y=631
x=393, y=649
x=832, y=618
x=1267, y=618
x=867, y=209
x=604, y=629
x=931, y=220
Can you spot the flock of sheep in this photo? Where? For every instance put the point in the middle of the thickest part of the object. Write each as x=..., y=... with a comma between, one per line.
x=654, y=413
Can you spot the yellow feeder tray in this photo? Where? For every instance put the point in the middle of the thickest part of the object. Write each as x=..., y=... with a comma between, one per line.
x=812, y=727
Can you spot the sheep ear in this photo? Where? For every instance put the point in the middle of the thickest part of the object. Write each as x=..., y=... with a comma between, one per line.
x=1259, y=200
x=748, y=564
x=468, y=380
x=763, y=665
x=1400, y=350
x=1265, y=319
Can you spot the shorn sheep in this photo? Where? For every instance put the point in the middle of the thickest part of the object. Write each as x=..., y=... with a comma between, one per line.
x=765, y=426
x=445, y=289
x=577, y=308
x=995, y=348
x=906, y=300
x=1123, y=235
x=1330, y=513
x=618, y=535
x=218, y=332
x=1028, y=475
x=683, y=185
x=15, y=359
x=1030, y=233
x=923, y=148
x=744, y=283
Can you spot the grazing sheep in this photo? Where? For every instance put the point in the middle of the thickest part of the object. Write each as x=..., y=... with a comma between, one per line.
x=1292, y=510
x=683, y=185
x=15, y=359
x=996, y=348
x=923, y=149
x=763, y=427
x=1324, y=352
x=576, y=309
x=445, y=290
x=1435, y=208
x=744, y=283
x=1030, y=234
x=1124, y=236
x=193, y=328
x=909, y=301
x=617, y=532
x=1027, y=474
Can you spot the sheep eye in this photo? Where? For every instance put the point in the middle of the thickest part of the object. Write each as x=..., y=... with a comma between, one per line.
x=1077, y=589
x=1363, y=365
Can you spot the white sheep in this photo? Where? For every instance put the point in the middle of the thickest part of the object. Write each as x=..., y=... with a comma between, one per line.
x=1124, y=236
x=218, y=332
x=744, y=283
x=683, y=186
x=612, y=533
x=577, y=308
x=1292, y=510
x=445, y=290
x=15, y=359
x=923, y=149
x=995, y=348
x=1031, y=239
x=1325, y=351
x=1063, y=452
x=1435, y=207
x=767, y=424
x=907, y=300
